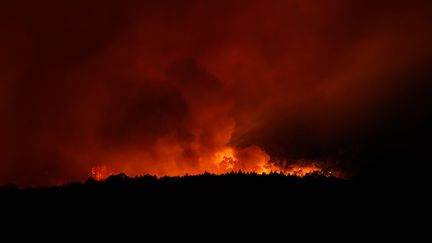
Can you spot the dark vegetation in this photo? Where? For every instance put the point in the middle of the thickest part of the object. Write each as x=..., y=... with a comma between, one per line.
x=205, y=184
x=233, y=199
x=250, y=187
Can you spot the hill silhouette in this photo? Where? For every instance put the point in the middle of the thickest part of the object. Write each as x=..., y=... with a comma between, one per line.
x=273, y=187
x=170, y=202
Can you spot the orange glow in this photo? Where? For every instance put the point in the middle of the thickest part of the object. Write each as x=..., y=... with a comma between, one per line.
x=99, y=173
x=169, y=88
x=299, y=168
x=227, y=162
x=226, y=159
x=247, y=160
x=301, y=171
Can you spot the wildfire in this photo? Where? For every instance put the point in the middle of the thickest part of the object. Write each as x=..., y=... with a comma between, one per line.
x=301, y=171
x=228, y=159
x=269, y=168
x=99, y=173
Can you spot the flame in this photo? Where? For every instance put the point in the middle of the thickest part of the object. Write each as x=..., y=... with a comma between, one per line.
x=299, y=169
x=228, y=159
x=99, y=173
x=302, y=170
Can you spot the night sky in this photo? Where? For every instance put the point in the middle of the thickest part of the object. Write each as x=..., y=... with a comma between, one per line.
x=187, y=86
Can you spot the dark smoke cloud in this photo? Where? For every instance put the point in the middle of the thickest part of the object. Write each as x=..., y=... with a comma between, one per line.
x=160, y=86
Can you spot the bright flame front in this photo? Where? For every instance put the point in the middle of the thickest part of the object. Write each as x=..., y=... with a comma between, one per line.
x=247, y=160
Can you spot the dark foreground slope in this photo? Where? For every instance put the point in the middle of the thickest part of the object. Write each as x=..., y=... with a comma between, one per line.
x=235, y=189
x=150, y=187
x=206, y=196
x=245, y=204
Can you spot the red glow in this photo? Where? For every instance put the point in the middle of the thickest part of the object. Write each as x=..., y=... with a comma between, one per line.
x=227, y=160
x=185, y=87
x=99, y=173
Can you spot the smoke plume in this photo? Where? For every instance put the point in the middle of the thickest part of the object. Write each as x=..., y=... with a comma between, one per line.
x=175, y=87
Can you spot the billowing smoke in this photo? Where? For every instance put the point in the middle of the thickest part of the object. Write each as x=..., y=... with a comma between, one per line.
x=176, y=87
